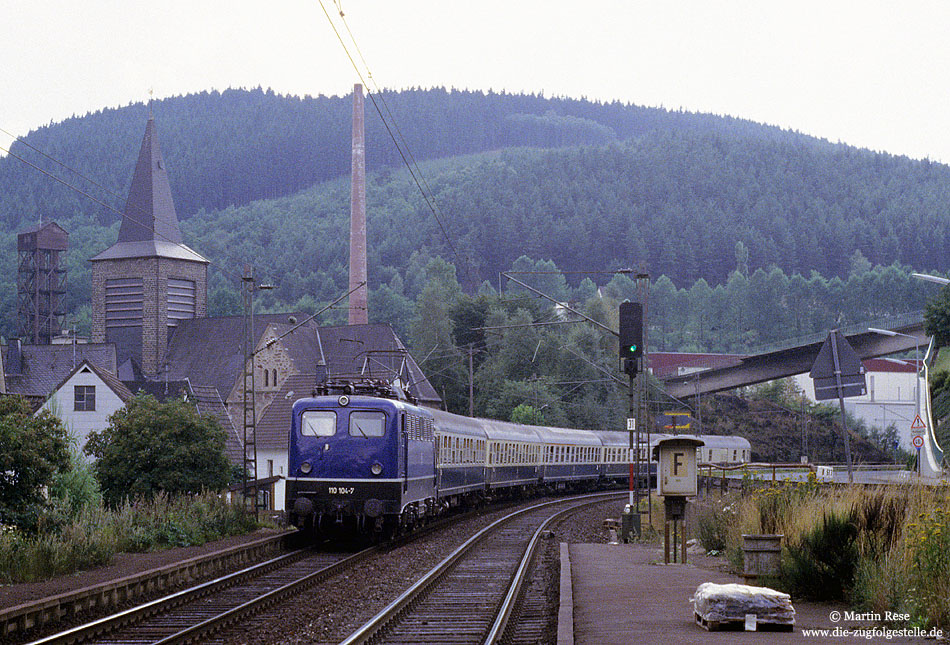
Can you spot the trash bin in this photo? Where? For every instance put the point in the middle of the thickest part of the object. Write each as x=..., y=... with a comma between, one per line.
x=629, y=525
x=762, y=556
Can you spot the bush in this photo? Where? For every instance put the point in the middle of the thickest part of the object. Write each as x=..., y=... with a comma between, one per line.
x=96, y=534
x=823, y=563
x=151, y=446
x=713, y=523
x=929, y=547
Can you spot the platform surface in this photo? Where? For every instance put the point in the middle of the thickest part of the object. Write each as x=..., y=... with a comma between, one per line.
x=622, y=596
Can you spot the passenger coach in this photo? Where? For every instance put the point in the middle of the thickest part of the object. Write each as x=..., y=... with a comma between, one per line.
x=360, y=463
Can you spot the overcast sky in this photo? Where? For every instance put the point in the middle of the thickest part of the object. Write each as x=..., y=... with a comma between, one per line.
x=871, y=73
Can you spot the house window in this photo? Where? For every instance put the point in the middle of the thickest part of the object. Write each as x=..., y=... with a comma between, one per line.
x=84, y=398
x=266, y=375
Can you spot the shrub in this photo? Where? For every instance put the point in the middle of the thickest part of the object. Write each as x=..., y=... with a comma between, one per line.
x=823, y=562
x=929, y=547
x=96, y=534
x=713, y=523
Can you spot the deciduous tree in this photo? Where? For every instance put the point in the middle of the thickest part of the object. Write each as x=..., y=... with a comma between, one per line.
x=151, y=446
x=33, y=450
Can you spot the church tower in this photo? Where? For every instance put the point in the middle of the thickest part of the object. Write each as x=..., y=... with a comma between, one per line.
x=148, y=280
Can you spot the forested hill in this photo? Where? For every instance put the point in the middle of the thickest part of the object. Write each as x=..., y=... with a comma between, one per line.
x=262, y=178
x=233, y=147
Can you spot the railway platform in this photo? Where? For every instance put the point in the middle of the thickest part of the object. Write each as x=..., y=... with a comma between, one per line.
x=618, y=594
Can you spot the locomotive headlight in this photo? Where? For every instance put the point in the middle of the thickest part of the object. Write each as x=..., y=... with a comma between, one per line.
x=377, y=468
x=305, y=467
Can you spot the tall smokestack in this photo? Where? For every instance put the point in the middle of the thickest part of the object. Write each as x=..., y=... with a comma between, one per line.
x=359, y=313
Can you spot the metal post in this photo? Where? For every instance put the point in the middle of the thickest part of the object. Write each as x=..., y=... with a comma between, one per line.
x=666, y=541
x=250, y=500
x=471, y=382
x=643, y=286
x=683, y=539
x=844, y=421
x=635, y=453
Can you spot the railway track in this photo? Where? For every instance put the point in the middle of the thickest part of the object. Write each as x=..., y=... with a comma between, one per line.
x=470, y=596
x=193, y=614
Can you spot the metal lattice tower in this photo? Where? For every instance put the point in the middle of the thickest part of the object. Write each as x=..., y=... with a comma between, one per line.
x=41, y=283
x=250, y=402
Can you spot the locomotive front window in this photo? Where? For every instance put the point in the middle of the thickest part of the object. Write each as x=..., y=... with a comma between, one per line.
x=367, y=424
x=318, y=423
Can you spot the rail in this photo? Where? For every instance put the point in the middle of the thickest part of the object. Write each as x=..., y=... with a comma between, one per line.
x=375, y=627
x=47, y=611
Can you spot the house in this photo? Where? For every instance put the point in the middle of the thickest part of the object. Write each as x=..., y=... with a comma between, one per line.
x=892, y=386
x=85, y=400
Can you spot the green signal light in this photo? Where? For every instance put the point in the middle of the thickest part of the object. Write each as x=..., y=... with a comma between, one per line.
x=633, y=348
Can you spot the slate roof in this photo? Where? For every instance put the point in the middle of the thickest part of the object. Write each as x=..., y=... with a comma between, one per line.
x=109, y=379
x=45, y=367
x=210, y=351
x=666, y=364
x=273, y=428
x=149, y=223
x=209, y=402
x=162, y=390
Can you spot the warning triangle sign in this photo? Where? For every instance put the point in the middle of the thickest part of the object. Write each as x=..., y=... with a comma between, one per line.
x=918, y=423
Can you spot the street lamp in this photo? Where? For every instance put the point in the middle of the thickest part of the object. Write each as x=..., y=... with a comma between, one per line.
x=889, y=332
x=931, y=278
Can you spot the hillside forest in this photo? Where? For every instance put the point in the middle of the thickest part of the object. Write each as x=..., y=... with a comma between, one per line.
x=752, y=235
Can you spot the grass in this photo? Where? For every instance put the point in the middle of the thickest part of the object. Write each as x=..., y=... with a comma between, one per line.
x=880, y=549
x=94, y=535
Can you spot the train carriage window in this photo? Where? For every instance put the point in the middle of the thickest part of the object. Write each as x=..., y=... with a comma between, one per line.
x=318, y=423
x=367, y=423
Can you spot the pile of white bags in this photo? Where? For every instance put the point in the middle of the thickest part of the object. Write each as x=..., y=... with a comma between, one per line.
x=733, y=602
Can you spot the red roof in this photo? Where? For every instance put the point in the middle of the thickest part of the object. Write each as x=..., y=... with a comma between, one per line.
x=671, y=363
x=890, y=365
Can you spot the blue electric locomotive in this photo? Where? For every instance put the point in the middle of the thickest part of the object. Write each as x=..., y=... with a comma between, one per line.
x=358, y=461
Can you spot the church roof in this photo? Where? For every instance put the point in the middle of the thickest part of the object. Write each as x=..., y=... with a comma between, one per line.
x=209, y=351
x=149, y=224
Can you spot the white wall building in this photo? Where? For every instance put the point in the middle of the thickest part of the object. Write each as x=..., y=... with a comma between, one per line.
x=891, y=389
x=85, y=400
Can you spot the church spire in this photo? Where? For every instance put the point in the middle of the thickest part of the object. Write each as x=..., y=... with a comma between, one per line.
x=150, y=211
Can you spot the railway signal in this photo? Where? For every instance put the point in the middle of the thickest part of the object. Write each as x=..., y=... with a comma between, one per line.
x=631, y=336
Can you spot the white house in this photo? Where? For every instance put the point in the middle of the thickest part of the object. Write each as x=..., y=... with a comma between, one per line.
x=891, y=389
x=85, y=399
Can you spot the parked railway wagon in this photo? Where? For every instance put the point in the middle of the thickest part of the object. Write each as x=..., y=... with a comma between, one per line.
x=363, y=463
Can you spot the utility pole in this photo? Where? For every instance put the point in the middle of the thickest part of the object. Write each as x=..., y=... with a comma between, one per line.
x=248, y=287
x=471, y=381
x=249, y=401
x=643, y=286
